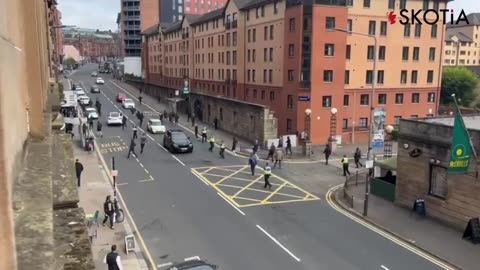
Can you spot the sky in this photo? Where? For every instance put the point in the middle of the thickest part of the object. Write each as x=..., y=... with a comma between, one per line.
x=102, y=14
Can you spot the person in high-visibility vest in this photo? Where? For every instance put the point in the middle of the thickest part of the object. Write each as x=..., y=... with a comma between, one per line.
x=345, y=165
x=267, y=173
x=212, y=143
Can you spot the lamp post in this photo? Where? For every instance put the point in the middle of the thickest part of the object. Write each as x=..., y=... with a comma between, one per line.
x=307, y=144
x=387, y=146
x=332, y=141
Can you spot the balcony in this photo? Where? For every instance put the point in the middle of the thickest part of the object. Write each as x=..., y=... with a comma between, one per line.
x=131, y=18
x=131, y=27
x=131, y=8
x=227, y=25
x=133, y=46
x=305, y=84
x=234, y=24
x=132, y=37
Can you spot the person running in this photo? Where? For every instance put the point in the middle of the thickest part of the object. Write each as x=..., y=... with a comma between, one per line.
x=266, y=176
x=131, y=149
x=271, y=152
x=204, y=134
x=99, y=129
x=357, y=156
x=327, y=151
x=252, y=161
x=124, y=122
x=143, y=141
x=135, y=130
x=222, y=150
x=109, y=211
x=278, y=158
x=211, y=140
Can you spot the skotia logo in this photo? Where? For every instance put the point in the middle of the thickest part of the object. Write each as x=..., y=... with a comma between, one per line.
x=429, y=16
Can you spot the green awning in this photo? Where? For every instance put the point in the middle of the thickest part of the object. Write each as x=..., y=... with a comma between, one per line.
x=387, y=164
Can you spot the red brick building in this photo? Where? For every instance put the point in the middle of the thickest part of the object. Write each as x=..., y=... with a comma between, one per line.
x=93, y=45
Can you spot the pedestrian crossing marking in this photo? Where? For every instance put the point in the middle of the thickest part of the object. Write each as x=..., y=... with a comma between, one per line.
x=239, y=187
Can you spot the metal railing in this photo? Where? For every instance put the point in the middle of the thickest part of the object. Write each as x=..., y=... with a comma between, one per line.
x=352, y=180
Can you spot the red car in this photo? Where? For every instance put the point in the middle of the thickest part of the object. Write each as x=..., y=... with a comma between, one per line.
x=121, y=97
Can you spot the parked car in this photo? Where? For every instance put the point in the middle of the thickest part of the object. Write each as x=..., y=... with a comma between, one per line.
x=155, y=126
x=94, y=74
x=176, y=141
x=100, y=81
x=94, y=89
x=128, y=103
x=79, y=92
x=121, y=97
x=91, y=112
x=193, y=265
x=114, y=118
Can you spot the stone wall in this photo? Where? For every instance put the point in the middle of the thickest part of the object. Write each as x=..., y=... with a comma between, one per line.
x=413, y=175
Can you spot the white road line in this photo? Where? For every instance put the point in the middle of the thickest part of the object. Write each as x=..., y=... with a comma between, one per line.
x=121, y=184
x=146, y=180
x=240, y=211
x=146, y=171
x=278, y=243
x=141, y=165
x=164, y=265
x=178, y=160
x=192, y=258
x=195, y=173
x=162, y=147
x=384, y=267
x=150, y=137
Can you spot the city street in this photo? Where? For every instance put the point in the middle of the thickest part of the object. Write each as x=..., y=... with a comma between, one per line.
x=200, y=205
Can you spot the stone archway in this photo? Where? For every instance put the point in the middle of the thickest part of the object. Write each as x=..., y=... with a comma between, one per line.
x=198, y=109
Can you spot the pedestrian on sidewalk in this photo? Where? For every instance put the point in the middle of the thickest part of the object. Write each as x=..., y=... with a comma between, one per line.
x=176, y=118
x=160, y=116
x=211, y=140
x=215, y=123
x=266, y=175
x=357, y=156
x=193, y=120
x=170, y=117
x=327, y=151
x=345, y=165
x=143, y=141
x=131, y=149
x=109, y=210
x=99, y=129
x=140, y=98
x=133, y=110
x=222, y=150
x=271, y=152
x=278, y=158
x=90, y=122
x=140, y=119
x=124, y=122
x=78, y=170
x=252, y=161
x=204, y=134
x=234, y=145
x=255, y=147
x=112, y=259
x=289, y=146
x=196, y=132
x=135, y=130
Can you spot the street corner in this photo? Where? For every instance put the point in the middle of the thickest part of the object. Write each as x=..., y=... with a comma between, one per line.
x=111, y=145
x=242, y=189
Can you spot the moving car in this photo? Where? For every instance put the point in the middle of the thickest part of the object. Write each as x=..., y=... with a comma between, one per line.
x=193, y=265
x=94, y=89
x=94, y=74
x=128, y=103
x=84, y=100
x=100, y=81
x=121, y=97
x=114, y=118
x=177, y=142
x=155, y=126
x=91, y=112
x=79, y=91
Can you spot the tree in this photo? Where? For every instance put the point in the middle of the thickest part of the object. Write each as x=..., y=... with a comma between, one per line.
x=459, y=81
x=70, y=61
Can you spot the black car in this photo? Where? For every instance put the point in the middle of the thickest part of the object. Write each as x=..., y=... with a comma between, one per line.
x=94, y=89
x=193, y=265
x=177, y=142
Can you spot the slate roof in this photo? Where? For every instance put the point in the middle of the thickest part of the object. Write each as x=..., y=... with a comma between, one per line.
x=218, y=13
x=173, y=27
x=473, y=19
x=151, y=30
x=461, y=37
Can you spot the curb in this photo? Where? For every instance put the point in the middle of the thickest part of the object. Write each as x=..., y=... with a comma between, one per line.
x=340, y=204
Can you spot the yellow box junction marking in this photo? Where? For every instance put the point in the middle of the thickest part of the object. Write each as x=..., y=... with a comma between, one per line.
x=249, y=191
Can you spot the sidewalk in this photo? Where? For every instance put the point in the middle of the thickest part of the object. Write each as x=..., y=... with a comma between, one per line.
x=244, y=145
x=429, y=235
x=94, y=188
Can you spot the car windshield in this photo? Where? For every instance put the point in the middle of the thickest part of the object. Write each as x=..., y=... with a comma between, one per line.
x=114, y=114
x=156, y=123
x=178, y=136
x=91, y=110
x=128, y=100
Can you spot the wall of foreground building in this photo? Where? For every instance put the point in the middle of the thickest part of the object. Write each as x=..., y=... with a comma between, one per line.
x=133, y=65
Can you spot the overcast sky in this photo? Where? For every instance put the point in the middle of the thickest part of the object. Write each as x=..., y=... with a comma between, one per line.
x=102, y=14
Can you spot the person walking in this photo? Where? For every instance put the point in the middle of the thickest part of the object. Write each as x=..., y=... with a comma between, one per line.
x=78, y=170
x=327, y=151
x=345, y=165
x=109, y=211
x=222, y=150
x=193, y=120
x=131, y=149
x=140, y=119
x=196, y=132
x=143, y=141
x=289, y=146
x=211, y=140
x=160, y=116
x=135, y=130
x=140, y=99
x=176, y=118
x=124, y=122
x=204, y=134
x=90, y=122
x=252, y=161
x=266, y=175
x=357, y=156
x=234, y=145
x=278, y=158
x=99, y=129
x=271, y=152
x=170, y=117
x=255, y=147
x=112, y=259
x=133, y=110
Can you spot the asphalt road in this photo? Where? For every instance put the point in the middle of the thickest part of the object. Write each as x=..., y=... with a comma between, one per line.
x=179, y=216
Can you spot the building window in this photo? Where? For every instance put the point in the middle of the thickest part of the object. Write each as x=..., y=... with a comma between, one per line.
x=396, y=120
x=291, y=25
x=272, y=95
x=265, y=52
x=431, y=97
x=383, y=28
x=381, y=53
x=405, y=53
x=431, y=54
x=329, y=49
x=430, y=76
x=275, y=7
x=366, y=3
x=382, y=99
x=327, y=101
x=363, y=122
x=418, y=30
x=330, y=23
x=349, y=25
x=369, y=77
x=380, y=76
x=372, y=25
x=289, y=126
x=263, y=94
x=291, y=76
x=370, y=52
x=347, y=77
x=289, y=102
x=344, y=124
x=347, y=53
x=438, y=182
x=346, y=100
x=406, y=30
x=349, y=3
x=291, y=50
x=265, y=32
x=416, y=53
x=415, y=98
x=328, y=75
x=271, y=54
x=403, y=4
x=433, y=31
x=414, y=77
x=403, y=77
x=254, y=93
x=270, y=76
x=271, y=32
x=399, y=98
x=364, y=99
x=391, y=4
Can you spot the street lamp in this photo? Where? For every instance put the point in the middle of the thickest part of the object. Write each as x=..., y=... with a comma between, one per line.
x=374, y=83
x=387, y=147
x=332, y=141
x=307, y=144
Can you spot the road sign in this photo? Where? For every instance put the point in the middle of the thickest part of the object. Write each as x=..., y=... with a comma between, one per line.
x=115, y=173
x=303, y=98
x=129, y=243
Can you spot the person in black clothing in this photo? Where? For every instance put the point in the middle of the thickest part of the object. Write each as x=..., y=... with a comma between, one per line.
x=133, y=110
x=78, y=170
x=124, y=122
x=271, y=152
x=135, y=132
x=193, y=120
x=357, y=156
x=140, y=118
x=109, y=210
x=131, y=149
x=112, y=259
x=99, y=128
x=160, y=115
x=143, y=140
x=140, y=98
x=255, y=147
x=176, y=118
x=289, y=146
x=215, y=123
x=234, y=145
x=196, y=132
x=327, y=151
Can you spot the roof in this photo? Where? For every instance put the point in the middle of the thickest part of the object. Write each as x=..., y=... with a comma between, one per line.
x=218, y=13
x=387, y=164
x=471, y=121
x=473, y=19
x=173, y=27
x=191, y=17
x=461, y=37
x=151, y=30
x=247, y=4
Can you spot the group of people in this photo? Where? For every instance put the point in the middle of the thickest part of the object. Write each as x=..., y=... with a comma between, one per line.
x=133, y=144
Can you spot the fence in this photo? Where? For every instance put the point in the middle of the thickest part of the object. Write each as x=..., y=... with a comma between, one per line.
x=350, y=181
